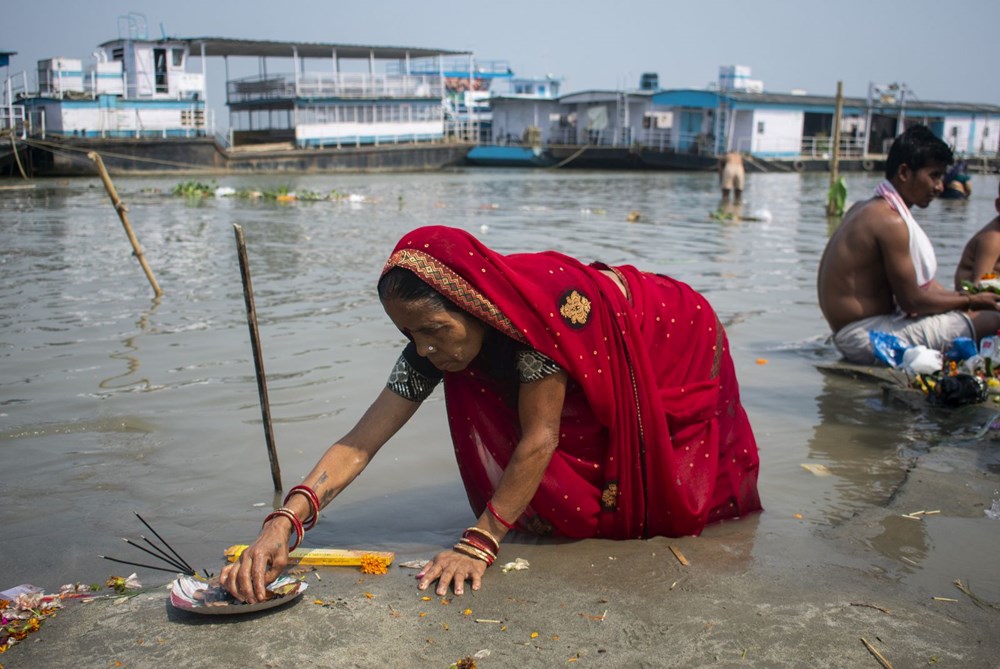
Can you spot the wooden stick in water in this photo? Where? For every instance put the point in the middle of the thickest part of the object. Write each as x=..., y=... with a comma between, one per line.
x=121, y=209
x=258, y=360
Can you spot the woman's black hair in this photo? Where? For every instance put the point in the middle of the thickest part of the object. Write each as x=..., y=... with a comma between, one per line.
x=401, y=284
x=917, y=147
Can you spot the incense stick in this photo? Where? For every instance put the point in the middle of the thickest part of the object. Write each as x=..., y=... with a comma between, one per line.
x=172, y=563
x=171, y=548
x=160, y=551
x=137, y=564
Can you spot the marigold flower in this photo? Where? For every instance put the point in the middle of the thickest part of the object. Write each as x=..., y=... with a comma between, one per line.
x=374, y=564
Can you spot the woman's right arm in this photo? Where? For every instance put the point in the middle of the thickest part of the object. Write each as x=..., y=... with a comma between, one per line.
x=266, y=557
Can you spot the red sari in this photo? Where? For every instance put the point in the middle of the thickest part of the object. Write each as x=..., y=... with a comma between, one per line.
x=653, y=438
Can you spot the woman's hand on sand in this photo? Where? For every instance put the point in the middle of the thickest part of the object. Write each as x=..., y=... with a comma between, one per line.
x=452, y=568
x=258, y=565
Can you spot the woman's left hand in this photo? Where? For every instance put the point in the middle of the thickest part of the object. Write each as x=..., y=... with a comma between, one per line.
x=452, y=568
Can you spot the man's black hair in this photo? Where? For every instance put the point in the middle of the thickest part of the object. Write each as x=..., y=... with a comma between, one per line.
x=401, y=284
x=917, y=147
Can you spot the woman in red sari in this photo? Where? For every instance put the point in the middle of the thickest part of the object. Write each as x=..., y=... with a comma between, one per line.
x=583, y=401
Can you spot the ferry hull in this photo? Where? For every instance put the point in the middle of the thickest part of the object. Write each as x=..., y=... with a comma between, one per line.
x=68, y=157
x=509, y=156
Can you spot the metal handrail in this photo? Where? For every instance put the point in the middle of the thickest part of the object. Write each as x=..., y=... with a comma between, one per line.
x=330, y=85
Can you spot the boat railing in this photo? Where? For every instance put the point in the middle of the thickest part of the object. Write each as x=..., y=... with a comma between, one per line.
x=14, y=88
x=464, y=130
x=451, y=66
x=330, y=85
x=820, y=146
x=657, y=139
x=195, y=121
x=13, y=120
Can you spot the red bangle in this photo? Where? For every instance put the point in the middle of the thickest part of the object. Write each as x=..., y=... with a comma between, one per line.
x=309, y=494
x=293, y=519
x=477, y=541
x=489, y=507
x=483, y=535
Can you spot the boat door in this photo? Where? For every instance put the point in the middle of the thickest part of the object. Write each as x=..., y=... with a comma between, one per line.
x=690, y=128
x=160, y=70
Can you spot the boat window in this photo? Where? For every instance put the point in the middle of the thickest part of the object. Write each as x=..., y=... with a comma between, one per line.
x=178, y=57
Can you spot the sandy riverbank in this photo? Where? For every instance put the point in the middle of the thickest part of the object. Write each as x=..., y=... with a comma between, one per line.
x=749, y=597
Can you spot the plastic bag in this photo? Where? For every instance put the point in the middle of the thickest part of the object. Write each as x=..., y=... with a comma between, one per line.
x=888, y=348
x=922, y=360
x=961, y=349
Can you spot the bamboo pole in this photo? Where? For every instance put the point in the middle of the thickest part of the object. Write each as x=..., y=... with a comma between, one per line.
x=258, y=360
x=831, y=206
x=122, y=209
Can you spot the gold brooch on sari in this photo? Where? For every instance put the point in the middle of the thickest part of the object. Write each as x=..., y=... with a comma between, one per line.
x=609, y=497
x=575, y=309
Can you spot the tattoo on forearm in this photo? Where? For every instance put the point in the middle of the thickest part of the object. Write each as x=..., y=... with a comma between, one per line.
x=322, y=478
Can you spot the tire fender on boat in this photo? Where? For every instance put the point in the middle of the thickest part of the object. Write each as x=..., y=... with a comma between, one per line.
x=798, y=165
x=867, y=165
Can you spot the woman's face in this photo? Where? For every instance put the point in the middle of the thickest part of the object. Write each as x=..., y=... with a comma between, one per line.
x=449, y=339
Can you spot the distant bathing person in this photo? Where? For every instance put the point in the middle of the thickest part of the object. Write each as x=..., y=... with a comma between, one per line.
x=981, y=256
x=583, y=401
x=732, y=176
x=877, y=272
x=957, y=182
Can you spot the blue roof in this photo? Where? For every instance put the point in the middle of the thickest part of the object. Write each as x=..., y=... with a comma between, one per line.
x=706, y=99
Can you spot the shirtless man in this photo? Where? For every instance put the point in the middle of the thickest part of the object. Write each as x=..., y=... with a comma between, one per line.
x=877, y=272
x=982, y=253
x=731, y=176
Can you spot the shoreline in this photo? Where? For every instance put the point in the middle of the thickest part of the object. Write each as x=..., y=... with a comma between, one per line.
x=749, y=596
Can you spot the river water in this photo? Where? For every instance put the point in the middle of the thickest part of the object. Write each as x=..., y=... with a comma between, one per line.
x=113, y=403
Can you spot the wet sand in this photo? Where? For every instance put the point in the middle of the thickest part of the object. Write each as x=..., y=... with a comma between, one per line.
x=748, y=597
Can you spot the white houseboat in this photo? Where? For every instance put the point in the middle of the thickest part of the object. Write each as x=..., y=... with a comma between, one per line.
x=134, y=87
x=688, y=128
x=311, y=106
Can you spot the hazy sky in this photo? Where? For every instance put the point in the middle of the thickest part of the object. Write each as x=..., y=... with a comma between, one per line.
x=940, y=50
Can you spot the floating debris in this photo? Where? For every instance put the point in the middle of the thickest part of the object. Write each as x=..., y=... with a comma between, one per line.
x=414, y=564
x=817, y=470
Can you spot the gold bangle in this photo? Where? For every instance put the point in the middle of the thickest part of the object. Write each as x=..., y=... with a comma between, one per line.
x=486, y=533
x=473, y=552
